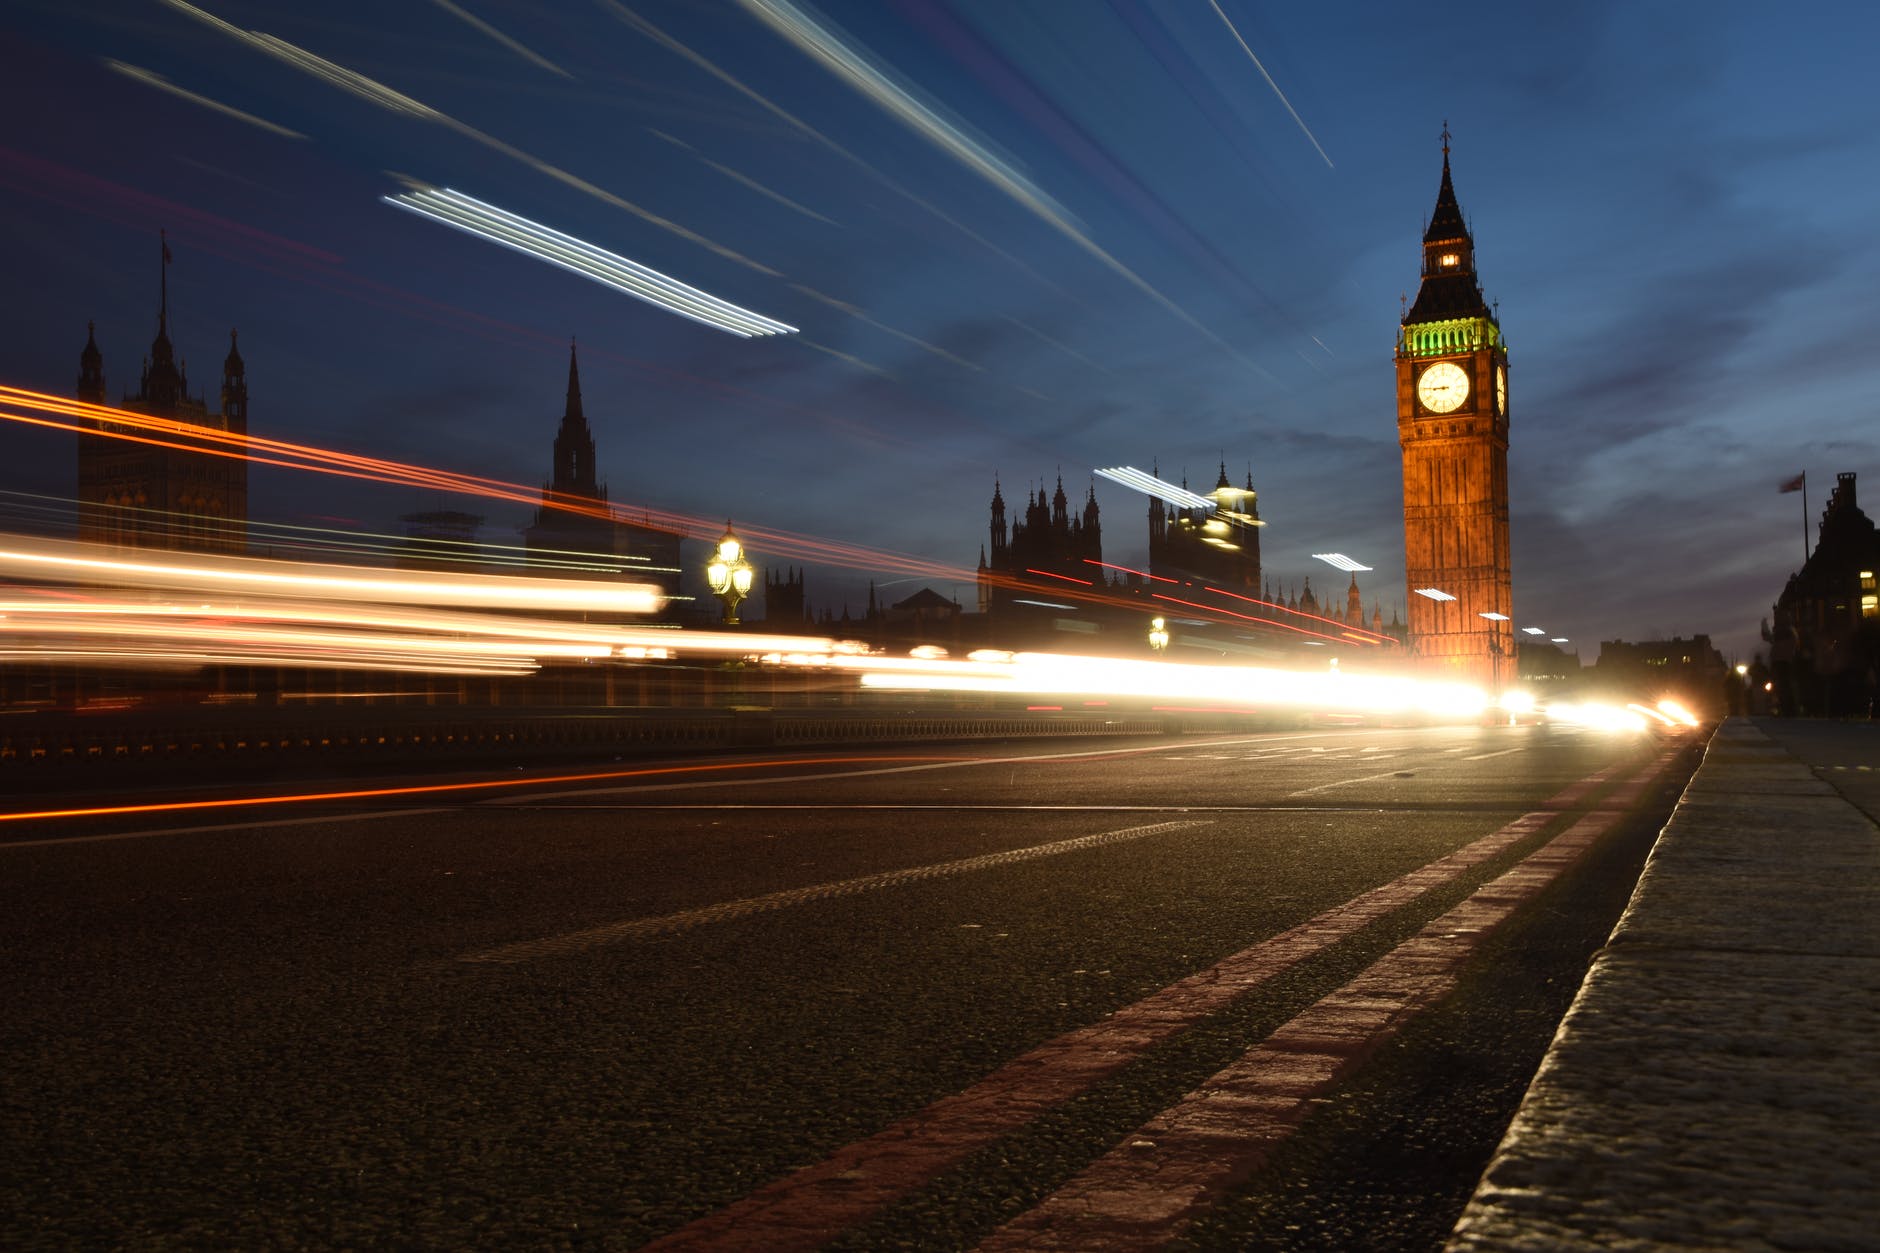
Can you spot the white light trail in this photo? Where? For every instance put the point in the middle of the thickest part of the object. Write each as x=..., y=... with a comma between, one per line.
x=1496, y=617
x=1341, y=561
x=577, y=256
x=477, y=23
x=1434, y=593
x=1141, y=481
x=1270, y=83
x=851, y=63
x=151, y=78
x=21, y=555
x=860, y=71
x=1533, y=631
x=1057, y=675
x=338, y=75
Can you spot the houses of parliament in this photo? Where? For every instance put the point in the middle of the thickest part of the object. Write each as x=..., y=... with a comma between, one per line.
x=1195, y=552
x=1451, y=375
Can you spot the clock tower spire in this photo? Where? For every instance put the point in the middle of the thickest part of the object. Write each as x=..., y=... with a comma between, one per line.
x=1452, y=426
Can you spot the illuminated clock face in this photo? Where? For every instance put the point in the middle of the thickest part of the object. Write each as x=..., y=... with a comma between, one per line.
x=1443, y=387
x=1501, y=390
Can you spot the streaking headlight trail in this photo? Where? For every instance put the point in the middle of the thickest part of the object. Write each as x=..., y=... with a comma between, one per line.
x=1149, y=484
x=577, y=256
x=1048, y=674
x=23, y=555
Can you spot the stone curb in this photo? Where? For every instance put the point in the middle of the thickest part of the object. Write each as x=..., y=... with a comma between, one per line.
x=1716, y=1084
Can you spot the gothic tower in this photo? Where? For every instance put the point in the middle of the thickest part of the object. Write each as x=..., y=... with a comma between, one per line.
x=581, y=536
x=1452, y=424
x=574, y=444
x=176, y=494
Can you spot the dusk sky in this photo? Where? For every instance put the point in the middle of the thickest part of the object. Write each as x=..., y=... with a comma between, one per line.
x=1027, y=237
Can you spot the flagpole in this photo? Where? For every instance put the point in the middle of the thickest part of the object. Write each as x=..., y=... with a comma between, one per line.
x=1805, y=517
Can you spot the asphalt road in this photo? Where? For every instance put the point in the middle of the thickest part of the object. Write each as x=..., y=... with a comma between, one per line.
x=909, y=999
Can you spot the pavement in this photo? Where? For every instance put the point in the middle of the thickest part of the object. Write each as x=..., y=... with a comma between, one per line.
x=1716, y=1084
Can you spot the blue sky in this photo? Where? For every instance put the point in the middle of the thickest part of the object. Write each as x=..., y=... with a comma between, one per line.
x=1674, y=204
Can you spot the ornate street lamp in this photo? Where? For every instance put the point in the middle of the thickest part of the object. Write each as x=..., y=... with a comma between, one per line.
x=729, y=574
x=1158, y=634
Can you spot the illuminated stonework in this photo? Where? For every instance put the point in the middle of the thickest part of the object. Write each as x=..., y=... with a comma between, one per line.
x=1455, y=461
x=163, y=494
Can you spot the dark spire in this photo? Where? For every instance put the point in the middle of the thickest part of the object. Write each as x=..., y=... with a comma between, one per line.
x=998, y=523
x=162, y=384
x=234, y=389
x=1223, y=480
x=163, y=287
x=1449, y=289
x=574, y=383
x=91, y=368
x=1446, y=222
x=574, y=443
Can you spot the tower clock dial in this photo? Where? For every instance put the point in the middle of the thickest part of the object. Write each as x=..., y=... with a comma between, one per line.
x=1443, y=387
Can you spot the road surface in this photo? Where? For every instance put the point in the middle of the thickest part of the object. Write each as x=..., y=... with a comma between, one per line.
x=1214, y=992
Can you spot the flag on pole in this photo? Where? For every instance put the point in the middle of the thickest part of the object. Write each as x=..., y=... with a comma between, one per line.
x=1795, y=484
x=167, y=258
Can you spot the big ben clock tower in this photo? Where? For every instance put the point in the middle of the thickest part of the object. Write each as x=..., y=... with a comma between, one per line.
x=1452, y=424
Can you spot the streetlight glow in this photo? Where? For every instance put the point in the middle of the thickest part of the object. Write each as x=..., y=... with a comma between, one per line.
x=729, y=574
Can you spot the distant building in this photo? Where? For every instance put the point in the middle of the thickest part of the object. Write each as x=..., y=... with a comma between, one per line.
x=142, y=495
x=440, y=539
x=1688, y=670
x=1048, y=549
x=784, y=605
x=1043, y=576
x=1452, y=425
x=1218, y=547
x=1824, y=646
x=926, y=617
x=575, y=530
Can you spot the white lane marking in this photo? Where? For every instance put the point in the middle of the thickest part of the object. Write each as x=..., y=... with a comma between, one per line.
x=1326, y=787
x=1503, y=753
x=226, y=826
x=1215, y=1135
x=692, y=785
x=684, y=920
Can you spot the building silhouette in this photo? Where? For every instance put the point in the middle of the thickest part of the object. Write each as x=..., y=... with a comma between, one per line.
x=1047, y=548
x=1824, y=646
x=783, y=598
x=1452, y=425
x=440, y=539
x=575, y=530
x=142, y=495
x=1690, y=671
x=1217, y=547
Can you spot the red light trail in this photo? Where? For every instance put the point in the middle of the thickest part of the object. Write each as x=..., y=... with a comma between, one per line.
x=428, y=789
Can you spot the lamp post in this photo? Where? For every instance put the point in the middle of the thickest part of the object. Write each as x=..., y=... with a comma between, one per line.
x=729, y=574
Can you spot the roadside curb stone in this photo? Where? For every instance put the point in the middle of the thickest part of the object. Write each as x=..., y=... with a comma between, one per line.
x=1716, y=1084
